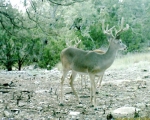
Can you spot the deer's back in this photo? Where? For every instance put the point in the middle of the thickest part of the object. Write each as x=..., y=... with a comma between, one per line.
x=70, y=55
x=80, y=60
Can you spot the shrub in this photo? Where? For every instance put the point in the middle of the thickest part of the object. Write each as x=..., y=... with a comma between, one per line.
x=51, y=54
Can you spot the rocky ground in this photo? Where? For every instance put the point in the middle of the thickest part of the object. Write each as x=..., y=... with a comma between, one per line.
x=34, y=94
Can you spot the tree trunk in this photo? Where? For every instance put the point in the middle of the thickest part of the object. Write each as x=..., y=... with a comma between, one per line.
x=9, y=67
x=19, y=64
x=19, y=67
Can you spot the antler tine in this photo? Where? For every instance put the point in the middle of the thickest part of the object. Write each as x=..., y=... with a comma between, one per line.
x=68, y=43
x=107, y=27
x=122, y=22
x=73, y=43
x=107, y=31
x=121, y=28
x=127, y=27
x=77, y=42
x=103, y=26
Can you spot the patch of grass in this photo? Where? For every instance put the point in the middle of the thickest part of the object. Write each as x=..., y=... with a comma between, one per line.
x=145, y=118
x=124, y=61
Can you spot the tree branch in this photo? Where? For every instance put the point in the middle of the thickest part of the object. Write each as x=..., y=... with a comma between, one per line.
x=3, y=26
x=65, y=4
x=10, y=18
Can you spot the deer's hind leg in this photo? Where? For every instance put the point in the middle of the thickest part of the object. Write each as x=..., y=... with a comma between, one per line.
x=72, y=78
x=100, y=78
x=64, y=75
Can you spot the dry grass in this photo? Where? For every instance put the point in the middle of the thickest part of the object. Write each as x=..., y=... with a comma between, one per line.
x=129, y=59
x=132, y=119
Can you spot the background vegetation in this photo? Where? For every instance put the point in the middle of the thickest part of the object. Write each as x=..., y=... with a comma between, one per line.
x=38, y=32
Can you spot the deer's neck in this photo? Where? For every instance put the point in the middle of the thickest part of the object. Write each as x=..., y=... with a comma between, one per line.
x=110, y=56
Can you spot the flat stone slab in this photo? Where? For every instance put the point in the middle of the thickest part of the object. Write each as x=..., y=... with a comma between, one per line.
x=124, y=112
x=74, y=113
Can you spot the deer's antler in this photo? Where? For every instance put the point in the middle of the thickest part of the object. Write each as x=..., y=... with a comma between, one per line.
x=109, y=32
x=73, y=43
x=117, y=33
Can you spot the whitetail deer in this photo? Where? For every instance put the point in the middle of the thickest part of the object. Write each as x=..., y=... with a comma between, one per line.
x=90, y=62
x=75, y=43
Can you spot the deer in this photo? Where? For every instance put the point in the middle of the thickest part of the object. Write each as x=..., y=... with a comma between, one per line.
x=75, y=43
x=90, y=62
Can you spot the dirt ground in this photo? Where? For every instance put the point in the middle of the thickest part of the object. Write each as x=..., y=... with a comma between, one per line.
x=34, y=94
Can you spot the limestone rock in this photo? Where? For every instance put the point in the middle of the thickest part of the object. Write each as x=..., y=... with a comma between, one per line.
x=7, y=113
x=74, y=113
x=124, y=112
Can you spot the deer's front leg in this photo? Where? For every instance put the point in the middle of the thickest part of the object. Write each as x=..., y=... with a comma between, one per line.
x=62, y=82
x=93, y=90
x=72, y=77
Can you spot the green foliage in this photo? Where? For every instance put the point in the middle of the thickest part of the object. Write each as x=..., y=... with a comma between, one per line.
x=94, y=39
x=7, y=50
x=97, y=35
x=133, y=41
x=51, y=54
x=22, y=35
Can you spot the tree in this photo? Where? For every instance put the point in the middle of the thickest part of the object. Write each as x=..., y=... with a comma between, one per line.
x=50, y=54
x=16, y=39
x=7, y=50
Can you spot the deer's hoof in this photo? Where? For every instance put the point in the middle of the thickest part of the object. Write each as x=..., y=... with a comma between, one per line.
x=80, y=102
x=95, y=108
x=91, y=105
x=61, y=104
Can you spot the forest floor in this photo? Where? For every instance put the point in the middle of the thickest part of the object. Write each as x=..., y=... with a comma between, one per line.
x=34, y=94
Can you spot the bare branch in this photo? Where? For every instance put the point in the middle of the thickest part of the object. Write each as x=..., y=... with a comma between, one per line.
x=30, y=16
x=10, y=18
x=65, y=4
x=5, y=27
x=33, y=5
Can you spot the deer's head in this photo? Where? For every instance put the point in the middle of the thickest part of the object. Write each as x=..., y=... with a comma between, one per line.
x=114, y=36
